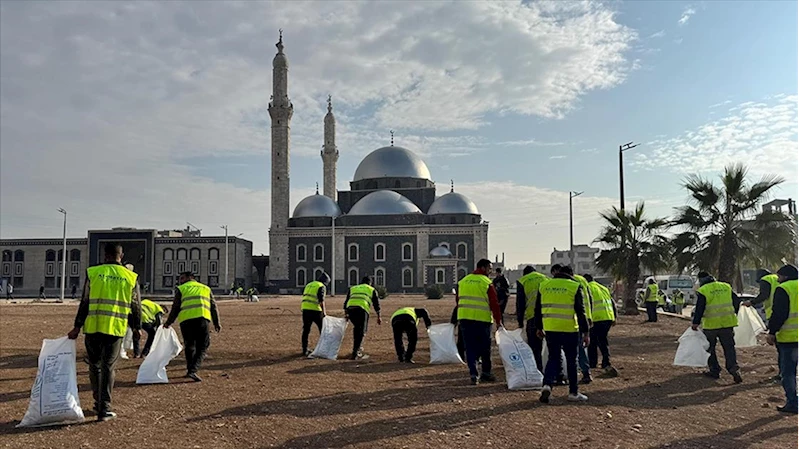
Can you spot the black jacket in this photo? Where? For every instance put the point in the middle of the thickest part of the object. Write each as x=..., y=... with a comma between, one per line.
x=780, y=309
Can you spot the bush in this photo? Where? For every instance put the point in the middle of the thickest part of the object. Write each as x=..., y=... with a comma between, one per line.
x=434, y=292
x=381, y=292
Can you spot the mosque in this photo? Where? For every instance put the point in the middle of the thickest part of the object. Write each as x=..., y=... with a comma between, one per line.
x=390, y=225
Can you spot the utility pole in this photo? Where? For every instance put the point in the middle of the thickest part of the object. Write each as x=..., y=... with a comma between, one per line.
x=572, y=195
x=622, y=149
x=227, y=285
x=63, y=256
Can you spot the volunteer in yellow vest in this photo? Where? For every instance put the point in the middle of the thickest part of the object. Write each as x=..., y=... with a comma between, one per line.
x=678, y=299
x=194, y=307
x=560, y=318
x=109, y=305
x=313, y=308
x=404, y=322
x=784, y=330
x=360, y=300
x=151, y=317
x=582, y=354
x=651, y=300
x=604, y=314
x=478, y=307
x=717, y=311
x=526, y=294
x=768, y=283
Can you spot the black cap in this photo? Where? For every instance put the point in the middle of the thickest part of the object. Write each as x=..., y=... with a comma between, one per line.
x=787, y=271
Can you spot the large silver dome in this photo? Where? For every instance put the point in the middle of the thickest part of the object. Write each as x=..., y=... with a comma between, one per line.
x=452, y=203
x=391, y=162
x=384, y=202
x=316, y=206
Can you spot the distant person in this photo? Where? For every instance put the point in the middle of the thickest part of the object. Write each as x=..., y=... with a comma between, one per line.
x=41, y=292
x=9, y=291
x=651, y=299
x=526, y=293
x=503, y=290
x=678, y=299
x=478, y=308
x=404, y=322
x=784, y=332
x=313, y=308
x=74, y=291
x=360, y=300
x=717, y=311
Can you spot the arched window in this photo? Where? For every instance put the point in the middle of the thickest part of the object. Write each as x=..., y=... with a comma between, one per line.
x=317, y=272
x=461, y=250
x=461, y=273
x=6, y=256
x=169, y=254
x=182, y=254
x=407, y=251
x=213, y=254
x=353, y=276
x=407, y=277
x=352, y=252
x=380, y=252
x=195, y=254
x=19, y=256
x=49, y=256
x=60, y=255
x=301, y=277
x=380, y=277
x=301, y=253
x=441, y=275
x=74, y=255
x=444, y=244
x=319, y=253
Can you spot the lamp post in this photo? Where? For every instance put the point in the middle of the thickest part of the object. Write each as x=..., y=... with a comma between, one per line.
x=622, y=149
x=226, y=257
x=572, y=195
x=63, y=256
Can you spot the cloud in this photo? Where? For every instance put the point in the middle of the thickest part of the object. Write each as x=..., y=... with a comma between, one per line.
x=717, y=105
x=659, y=34
x=678, y=41
x=761, y=135
x=559, y=156
x=686, y=15
x=589, y=150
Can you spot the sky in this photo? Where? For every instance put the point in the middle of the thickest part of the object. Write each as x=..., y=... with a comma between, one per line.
x=152, y=115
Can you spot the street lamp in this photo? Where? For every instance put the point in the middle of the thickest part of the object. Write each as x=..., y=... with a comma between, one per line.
x=572, y=195
x=63, y=256
x=622, y=149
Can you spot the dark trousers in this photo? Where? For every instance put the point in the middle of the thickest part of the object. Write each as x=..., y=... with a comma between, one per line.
x=725, y=336
x=788, y=359
x=360, y=323
x=503, y=301
x=461, y=345
x=536, y=344
x=404, y=325
x=103, y=352
x=477, y=339
x=196, y=340
x=309, y=318
x=568, y=342
x=779, y=360
x=652, y=311
x=151, y=329
x=599, y=339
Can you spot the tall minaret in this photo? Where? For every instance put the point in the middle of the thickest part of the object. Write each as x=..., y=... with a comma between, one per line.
x=281, y=110
x=329, y=153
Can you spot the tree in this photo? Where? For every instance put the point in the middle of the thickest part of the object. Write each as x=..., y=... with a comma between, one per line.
x=632, y=241
x=724, y=227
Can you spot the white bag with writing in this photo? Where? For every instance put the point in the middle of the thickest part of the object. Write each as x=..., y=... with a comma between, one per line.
x=330, y=339
x=693, y=349
x=443, y=347
x=166, y=347
x=749, y=327
x=54, y=396
x=521, y=371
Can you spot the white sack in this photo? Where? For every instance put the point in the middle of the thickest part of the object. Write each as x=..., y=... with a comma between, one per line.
x=521, y=372
x=127, y=342
x=54, y=396
x=693, y=349
x=749, y=326
x=254, y=298
x=545, y=357
x=166, y=347
x=443, y=347
x=330, y=339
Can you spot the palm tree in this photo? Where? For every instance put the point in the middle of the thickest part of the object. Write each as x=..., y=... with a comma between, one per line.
x=632, y=241
x=724, y=227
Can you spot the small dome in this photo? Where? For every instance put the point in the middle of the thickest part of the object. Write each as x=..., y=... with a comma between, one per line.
x=453, y=203
x=391, y=162
x=316, y=206
x=384, y=202
x=440, y=251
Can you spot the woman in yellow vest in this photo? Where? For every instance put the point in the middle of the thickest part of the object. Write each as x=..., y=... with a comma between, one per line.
x=717, y=311
x=784, y=332
x=404, y=322
x=194, y=307
x=313, y=308
x=360, y=300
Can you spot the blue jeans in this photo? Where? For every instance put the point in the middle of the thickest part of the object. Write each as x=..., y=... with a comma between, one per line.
x=582, y=359
x=477, y=339
x=788, y=362
x=566, y=341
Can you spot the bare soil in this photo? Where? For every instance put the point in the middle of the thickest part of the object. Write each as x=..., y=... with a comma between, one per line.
x=258, y=393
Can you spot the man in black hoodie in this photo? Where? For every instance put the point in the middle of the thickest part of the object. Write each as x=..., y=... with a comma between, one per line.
x=783, y=332
x=717, y=311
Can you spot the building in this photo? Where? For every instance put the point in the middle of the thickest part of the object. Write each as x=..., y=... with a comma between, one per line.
x=390, y=224
x=157, y=257
x=584, y=259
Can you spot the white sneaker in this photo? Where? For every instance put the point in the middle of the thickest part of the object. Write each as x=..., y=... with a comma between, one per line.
x=545, y=392
x=579, y=397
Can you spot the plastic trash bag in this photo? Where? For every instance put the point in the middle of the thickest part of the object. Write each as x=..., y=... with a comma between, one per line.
x=166, y=347
x=54, y=396
x=749, y=327
x=254, y=298
x=693, y=349
x=521, y=371
x=127, y=343
x=330, y=339
x=545, y=357
x=443, y=347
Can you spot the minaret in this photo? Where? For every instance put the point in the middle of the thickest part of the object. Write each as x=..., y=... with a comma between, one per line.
x=329, y=153
x=280, y=110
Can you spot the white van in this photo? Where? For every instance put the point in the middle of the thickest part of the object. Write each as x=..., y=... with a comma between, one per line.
x=683, y=282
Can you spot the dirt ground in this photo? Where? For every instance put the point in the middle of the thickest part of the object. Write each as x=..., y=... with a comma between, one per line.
x=258, y=393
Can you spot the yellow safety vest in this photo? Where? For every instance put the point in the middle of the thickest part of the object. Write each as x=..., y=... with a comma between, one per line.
x=678, y=298
x=406, y=311
x=557, y=305
x=361, y=296
x=110, y=296
x=531, y=282
x=473, y=301
x=195, y=301
x=789, y=332
x=719, y=310
x=774, y=281
x=602, y=302
x=149, y=310
x=653, y=293
x=310, y=296
x=586, y=293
